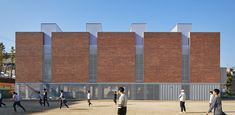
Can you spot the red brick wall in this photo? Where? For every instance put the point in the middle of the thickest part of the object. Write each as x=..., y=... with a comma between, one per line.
x=116, y=57
x=29, y=56
x=205, y=57
x=70, y=56
x=162, y=57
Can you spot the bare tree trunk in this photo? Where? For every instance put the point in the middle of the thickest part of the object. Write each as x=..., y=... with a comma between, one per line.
x=11, y=70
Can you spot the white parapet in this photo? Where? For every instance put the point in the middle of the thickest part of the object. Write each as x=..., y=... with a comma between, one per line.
x=139, y=29
x=93, y=28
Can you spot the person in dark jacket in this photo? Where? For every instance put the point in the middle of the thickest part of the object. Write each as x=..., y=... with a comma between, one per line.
x=45, y=99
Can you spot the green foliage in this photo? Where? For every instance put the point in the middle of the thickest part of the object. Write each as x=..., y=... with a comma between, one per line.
x=228, y=85
x=5, y=55
x=12, y=56
x=2, y=53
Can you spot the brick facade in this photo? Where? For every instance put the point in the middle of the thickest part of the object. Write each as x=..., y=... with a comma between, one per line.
x=70, y=56
x=205, y=57
x=162, y=57
x=29, y=56
x=116, y=57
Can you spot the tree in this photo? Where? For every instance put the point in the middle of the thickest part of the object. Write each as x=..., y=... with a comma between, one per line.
x=12, y=56
x=228, y=85
x=2, y=53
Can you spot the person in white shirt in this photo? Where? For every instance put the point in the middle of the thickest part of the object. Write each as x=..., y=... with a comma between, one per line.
x=1, y=103
x=62, y=99
x=182, y=98
x=89, y=98
x=211, y=98
x=122, y=102
x=16, y=99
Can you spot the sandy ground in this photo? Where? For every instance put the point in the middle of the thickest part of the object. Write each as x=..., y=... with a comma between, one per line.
x=107, y=107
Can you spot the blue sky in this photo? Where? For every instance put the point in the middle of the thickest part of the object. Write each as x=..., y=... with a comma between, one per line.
x=117, y=15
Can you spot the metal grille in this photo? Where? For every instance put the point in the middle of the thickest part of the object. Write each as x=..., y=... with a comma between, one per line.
x=134, y=91
x=92, y=63
x=47, y=63
x=139, y=64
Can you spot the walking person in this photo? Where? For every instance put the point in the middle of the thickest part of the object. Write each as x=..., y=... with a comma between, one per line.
x=16, y=99
x=40, y=97
x=122, y=102
x=62, y=99
x=182, y=98
x=45, y=98
x=1, y=103
x=216, y=104
x=89, y=98
x=115, y=97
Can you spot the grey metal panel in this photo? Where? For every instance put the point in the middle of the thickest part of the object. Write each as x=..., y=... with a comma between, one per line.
x=134, y=91
x=169, y=91
x=185, y=68
x=201, y=91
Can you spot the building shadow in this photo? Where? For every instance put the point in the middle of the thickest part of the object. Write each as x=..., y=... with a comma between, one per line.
x=34, y=107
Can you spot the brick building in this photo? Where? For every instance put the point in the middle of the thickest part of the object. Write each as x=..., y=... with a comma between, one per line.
x=150, y=65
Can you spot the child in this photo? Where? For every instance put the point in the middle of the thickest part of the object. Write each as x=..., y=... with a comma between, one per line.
x=40, y=98
x=45, y=99
x=182, y=98
x=211, y=98
x=89, y=98
x=62, y=99
x=16, y=99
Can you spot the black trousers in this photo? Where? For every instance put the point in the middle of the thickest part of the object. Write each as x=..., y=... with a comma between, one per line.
x=40, y=101
x=63, y=102
x=182, y=106
x=1, y=103
x=17, y=103
x=45, y=101
x=122, y=111
x=89, y=102
x=115, y=100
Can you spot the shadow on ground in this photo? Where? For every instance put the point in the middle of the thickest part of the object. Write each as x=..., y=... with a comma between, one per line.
x=33, y=107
